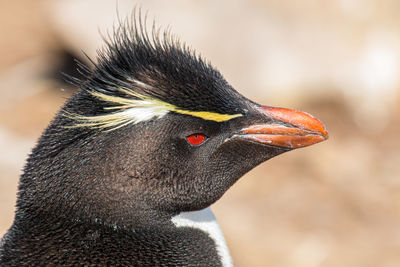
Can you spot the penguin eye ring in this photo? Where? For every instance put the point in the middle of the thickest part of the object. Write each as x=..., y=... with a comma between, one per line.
x=196, y=139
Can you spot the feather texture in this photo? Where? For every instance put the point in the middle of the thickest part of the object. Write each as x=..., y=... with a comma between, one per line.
x=135, y=110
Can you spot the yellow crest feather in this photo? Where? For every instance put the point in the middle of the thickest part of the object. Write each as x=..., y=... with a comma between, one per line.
x=142, y=108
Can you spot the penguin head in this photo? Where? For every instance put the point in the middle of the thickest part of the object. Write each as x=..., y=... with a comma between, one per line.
x=154, y=129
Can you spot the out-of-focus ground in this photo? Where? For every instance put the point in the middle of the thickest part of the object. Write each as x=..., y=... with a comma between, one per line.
x=333, y=204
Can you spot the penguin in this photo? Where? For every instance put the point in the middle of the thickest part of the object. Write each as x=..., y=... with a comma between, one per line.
x=126, y=172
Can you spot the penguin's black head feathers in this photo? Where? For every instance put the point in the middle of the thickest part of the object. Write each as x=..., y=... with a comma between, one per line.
x=154, y=130
x=156, y=67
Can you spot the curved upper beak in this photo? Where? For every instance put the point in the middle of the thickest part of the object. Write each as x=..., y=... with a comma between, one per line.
x=289, y=129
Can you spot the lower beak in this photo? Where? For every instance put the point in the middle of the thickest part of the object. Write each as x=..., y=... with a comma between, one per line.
x=289, y=129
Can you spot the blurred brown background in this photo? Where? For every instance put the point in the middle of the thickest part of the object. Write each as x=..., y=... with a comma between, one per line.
x=333, y=204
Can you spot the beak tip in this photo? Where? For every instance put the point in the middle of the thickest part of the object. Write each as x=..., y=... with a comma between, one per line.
x=319, y=127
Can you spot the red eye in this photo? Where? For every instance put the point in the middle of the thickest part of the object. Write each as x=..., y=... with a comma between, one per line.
x=196, y=139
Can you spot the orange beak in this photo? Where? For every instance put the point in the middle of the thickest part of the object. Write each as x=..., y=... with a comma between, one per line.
x=290, y=129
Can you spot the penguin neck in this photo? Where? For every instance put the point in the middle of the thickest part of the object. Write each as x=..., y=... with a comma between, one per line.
x=205, y=221
x=188, y=238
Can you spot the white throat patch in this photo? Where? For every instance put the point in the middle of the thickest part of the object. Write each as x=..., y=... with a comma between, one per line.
x=205, y=221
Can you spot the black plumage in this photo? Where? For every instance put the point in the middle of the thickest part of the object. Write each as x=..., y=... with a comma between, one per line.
x=94, y=195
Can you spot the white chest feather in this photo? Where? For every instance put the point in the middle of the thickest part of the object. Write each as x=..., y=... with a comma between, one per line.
x=205, y=221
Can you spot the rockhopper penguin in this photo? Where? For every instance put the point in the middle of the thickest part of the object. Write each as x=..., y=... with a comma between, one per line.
x=127, y=170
